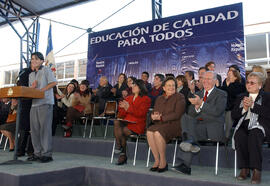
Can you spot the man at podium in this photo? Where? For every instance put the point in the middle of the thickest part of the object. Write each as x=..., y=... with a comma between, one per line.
x=41, y=113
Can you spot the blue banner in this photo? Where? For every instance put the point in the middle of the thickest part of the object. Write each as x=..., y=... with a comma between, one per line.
x=169, y=45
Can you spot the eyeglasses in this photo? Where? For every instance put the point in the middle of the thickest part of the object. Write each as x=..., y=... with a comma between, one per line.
x=250, y=82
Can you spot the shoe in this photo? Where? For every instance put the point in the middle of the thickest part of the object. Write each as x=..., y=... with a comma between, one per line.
x=256, y=177
x=182, y=168
x=20, y=154
x=122, y=160
x=153, y=169
x=11, y=150
x=68, y=133
x=118, y=150
x=189, y=147
x=33, y=158
x=45, y=159
x=65, y=127
x=244, y=174
x=160, y=170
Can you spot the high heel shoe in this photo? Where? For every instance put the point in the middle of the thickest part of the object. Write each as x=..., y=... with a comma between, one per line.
x=122, y=160
x=160, y=170
x=153, y=169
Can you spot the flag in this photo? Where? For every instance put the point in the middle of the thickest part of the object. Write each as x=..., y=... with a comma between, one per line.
x=49, y=60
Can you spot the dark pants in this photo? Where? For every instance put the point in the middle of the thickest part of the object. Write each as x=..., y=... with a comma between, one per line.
x=248, y=144
x=25, y=143
x=73, y=114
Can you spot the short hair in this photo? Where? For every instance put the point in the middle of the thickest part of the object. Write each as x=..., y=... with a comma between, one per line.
x=169, y=75
x=146, y=73
x=168, y=79
x=39, y=55
x=160, y=76
x=190, y=73
x=215, y=74
x=140, y=83
x=104, y=77
x=208, y=64
x=235, y=67
x=201, y=68
x=259, y=75
x=183, y=79
x=260, y=69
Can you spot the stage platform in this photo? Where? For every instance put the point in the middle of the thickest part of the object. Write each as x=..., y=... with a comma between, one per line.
x=86, y=162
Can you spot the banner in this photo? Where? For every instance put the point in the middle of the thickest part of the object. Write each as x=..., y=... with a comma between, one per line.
x=169, y=45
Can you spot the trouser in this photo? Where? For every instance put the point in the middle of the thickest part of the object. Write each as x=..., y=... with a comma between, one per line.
x=248, y=144
x=41, y=129
x=25, y=142
x=73, y=114
x=228, y=123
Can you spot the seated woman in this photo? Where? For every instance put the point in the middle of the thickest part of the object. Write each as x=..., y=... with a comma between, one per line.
x=166, y=115
x=251, y=110
x=8, y=129
x=79, y=107
x=134, y=108
x=66, y=97
x=182, y=87
x=233, y=86
x=119, y=87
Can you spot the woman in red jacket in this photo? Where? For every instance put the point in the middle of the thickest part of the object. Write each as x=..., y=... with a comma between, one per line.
x=134, y=109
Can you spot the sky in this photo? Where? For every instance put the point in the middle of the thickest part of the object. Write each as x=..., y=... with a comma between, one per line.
x=87, y=15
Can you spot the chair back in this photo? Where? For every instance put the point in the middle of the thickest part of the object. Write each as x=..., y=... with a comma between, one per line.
x=110, y=108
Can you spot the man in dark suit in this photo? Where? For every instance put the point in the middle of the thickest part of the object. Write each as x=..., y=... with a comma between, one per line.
x=205, y=120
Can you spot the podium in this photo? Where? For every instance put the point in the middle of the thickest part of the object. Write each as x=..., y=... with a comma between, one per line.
x=19, y=92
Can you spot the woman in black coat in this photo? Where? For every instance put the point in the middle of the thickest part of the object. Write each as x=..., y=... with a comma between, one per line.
x=251, y=110
x=233, y=86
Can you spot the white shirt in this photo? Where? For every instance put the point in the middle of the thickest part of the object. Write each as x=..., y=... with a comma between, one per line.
x=209, y=92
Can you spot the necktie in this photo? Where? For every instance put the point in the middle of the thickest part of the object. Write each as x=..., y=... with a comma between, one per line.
x=205, y=96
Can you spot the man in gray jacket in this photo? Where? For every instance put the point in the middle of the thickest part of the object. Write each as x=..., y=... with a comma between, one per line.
x=205, y=120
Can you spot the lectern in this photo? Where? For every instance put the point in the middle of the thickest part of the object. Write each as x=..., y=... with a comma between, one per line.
x=19, y=92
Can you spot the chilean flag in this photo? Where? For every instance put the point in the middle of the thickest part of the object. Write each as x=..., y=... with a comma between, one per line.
x=49, y=60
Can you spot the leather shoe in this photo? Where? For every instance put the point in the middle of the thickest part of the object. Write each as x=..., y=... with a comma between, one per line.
x=182, y=168
x=45, y=159
x=33, y=158
x=122, y=160
x=153, y=169
x=160, y=170
x=20, y=154
x=256, y=177
x=244, y=174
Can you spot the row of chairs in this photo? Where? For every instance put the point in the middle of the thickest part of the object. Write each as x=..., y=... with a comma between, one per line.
x=110, y=112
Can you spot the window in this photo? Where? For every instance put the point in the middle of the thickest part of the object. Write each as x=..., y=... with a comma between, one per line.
x=60, y=70
x=7, y=77
x=82, y=68
x=256, y=46
x=69, y=69
x=15, y=74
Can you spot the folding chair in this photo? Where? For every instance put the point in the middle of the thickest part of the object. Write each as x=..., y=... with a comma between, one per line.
x=134, y=136
x=87, y=117
x=174, y=154
x=110, y=111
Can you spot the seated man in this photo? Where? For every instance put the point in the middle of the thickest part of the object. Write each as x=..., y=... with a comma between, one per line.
x=145, y=77
x=205, y=120
x=157, y=88
x=103, y=93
